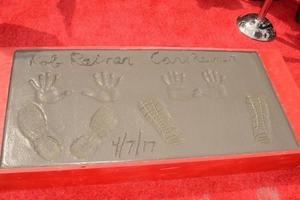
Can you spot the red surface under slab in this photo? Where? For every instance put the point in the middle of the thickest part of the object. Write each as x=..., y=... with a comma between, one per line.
x=198, y=23
x=163, y=169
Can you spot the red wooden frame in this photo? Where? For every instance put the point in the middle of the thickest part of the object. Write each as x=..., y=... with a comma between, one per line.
x=283, y=83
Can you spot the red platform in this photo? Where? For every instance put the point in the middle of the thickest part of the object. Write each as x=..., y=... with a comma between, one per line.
x=154, y=23
x=284, y=86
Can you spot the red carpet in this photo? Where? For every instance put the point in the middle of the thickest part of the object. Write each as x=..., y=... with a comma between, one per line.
x=194, y=23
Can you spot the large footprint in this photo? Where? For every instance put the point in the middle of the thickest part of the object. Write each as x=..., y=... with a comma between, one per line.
x=32, y=122
x=102, y=122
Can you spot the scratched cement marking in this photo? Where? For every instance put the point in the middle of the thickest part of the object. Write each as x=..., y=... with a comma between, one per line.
x=132, y=146
x=45, y=60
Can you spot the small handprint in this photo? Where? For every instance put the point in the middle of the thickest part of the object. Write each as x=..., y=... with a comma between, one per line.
x=214, y=84
x=108, y=83
x=175, y=86
x=45, y=90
